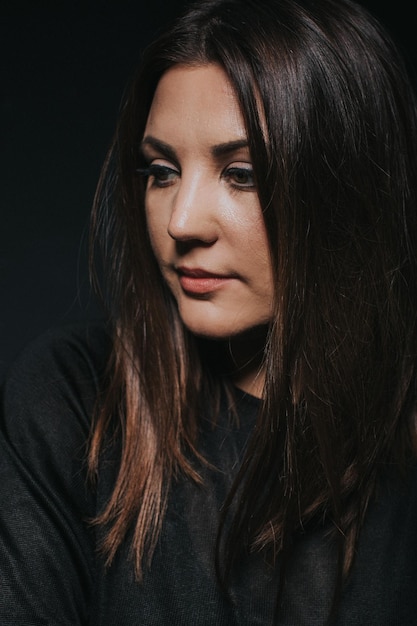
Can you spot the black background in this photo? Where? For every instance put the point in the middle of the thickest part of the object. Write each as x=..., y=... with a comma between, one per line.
x=64, y=66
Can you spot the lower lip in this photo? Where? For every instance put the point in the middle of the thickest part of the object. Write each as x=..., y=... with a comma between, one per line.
x=202, y=285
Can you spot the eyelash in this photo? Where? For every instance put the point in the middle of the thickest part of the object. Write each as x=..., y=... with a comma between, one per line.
x=157, y=172
x=160, y=174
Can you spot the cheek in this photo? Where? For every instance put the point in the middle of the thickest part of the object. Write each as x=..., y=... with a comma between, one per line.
x=156, y=229
x=253, y=236
x=259, y=255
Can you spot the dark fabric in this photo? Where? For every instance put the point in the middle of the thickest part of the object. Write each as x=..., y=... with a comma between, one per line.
x=51, y=572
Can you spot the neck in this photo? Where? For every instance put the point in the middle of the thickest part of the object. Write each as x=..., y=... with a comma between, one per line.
x=245, y=356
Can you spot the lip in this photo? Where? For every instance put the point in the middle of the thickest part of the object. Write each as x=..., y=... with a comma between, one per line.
x=199, y=281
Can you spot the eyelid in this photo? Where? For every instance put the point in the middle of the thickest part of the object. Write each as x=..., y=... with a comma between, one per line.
x=151, y=165
x=239, y=165
x=247, y=167
x=154, y=168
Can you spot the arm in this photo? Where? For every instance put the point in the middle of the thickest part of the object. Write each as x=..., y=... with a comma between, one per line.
x=47, y=548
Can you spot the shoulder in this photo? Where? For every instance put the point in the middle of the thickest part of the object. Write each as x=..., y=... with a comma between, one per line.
x=51, y=389
x=79, y=347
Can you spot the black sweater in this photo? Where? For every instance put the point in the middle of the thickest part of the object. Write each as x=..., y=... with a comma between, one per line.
x=51, y=572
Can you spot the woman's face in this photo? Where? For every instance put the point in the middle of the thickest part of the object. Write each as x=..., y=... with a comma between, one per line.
x=202, y=207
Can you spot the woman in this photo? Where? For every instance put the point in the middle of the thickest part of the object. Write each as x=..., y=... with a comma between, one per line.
x=238, y=447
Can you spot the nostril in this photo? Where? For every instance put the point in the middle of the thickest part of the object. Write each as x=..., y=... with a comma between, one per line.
x=183, y=247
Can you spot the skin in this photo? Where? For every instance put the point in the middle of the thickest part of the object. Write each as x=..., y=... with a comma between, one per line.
x=204, y=217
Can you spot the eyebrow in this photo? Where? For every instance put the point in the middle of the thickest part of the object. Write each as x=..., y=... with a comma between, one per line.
x=223, y=149
x=160, y=146
x=218, y=150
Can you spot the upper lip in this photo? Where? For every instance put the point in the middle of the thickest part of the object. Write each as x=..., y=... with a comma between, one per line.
x=197, y=272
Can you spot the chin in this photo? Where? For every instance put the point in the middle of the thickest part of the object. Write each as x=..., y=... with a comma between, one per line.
x=222, y=330
x=208, y=331
x=209, y=328
x=208, y=320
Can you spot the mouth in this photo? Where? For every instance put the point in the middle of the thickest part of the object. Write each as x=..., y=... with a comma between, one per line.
x=198, y=281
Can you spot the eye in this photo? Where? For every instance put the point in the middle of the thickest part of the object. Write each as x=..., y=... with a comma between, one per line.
x=240, y=177
x=160, y=175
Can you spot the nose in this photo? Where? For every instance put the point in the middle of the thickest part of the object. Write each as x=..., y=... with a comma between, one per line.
x=193, y=210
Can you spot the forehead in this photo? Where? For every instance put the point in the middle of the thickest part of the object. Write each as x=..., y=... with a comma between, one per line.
x=197, y=102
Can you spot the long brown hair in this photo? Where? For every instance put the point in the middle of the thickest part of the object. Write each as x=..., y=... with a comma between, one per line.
x=331, y=123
